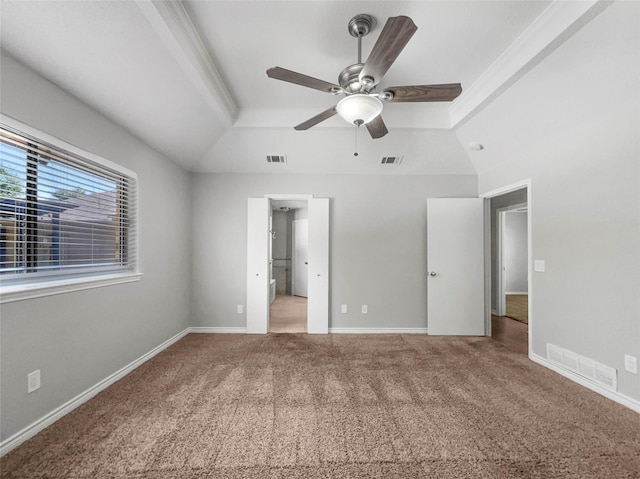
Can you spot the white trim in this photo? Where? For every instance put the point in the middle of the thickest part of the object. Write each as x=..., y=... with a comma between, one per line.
x=217, y=330
x=174, y=27
x=631, y=403
x=277, y=196
x=516, y=292
x=294, y=262
x=34, y=428
x=23, y=291
x=550, y=30
x=57, y=142
x=518, y=185
x=378, y=330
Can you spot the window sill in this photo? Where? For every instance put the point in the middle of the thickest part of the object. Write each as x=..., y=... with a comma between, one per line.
x=20, y=292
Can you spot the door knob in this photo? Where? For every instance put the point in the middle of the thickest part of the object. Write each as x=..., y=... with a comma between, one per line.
x=432, y=273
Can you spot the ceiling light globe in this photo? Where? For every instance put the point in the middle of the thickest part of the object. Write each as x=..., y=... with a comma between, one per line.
x=359, y=108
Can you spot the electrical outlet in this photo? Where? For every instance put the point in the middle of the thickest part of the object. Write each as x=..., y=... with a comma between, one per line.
x=631, y=364
x=364, y=309
x=33, y=381
x=240, y=309
x=343, y=308
x=538, y=265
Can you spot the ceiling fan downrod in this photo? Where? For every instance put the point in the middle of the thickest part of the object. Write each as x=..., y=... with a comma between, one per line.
x=358, y=27
x=349, y=78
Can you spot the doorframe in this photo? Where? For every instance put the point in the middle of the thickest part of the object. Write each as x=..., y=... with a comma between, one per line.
x=501, y=307
x=487, y=196
x=293, y=257
x=308, y=197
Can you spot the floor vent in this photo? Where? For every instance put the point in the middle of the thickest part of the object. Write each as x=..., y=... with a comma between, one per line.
x=600, y=374
x=391, y=160
x=281, y=159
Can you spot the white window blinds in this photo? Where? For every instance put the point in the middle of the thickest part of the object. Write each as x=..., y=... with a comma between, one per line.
x=60, y=213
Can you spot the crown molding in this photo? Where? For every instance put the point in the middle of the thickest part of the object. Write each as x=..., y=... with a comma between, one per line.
x=171, y=22
x=556, y=24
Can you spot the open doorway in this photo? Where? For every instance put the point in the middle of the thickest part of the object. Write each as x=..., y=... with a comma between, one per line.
x=288, y=264
x=513, y=287
x=510, y=266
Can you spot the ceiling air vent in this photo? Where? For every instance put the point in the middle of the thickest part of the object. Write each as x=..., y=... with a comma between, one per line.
x=391, y=160
x=276, y=159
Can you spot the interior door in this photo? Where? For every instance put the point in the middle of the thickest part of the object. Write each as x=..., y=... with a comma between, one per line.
x=300, y=257
x=258, y=241
x=455, y=257
x=318, y=253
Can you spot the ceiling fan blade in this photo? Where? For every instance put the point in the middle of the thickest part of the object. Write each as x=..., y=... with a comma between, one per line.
x=377, y=128
x=300, y=79
x=446, y=92
x=317, y=119
x=394, y=36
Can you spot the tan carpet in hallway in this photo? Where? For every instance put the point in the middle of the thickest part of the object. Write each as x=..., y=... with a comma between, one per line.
x=337, y=406
x=288, y=314
x=518, y=307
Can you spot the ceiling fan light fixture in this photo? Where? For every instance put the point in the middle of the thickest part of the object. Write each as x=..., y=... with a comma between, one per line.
x=359, y=108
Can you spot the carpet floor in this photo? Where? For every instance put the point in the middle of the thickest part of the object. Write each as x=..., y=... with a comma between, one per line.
x=337, y=406
x=288, y=314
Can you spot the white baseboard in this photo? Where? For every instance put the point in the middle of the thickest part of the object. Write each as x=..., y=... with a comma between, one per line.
x=526, y=293
x=631, y=403
x=378, y=330
x=34, y=428
x=217, y=330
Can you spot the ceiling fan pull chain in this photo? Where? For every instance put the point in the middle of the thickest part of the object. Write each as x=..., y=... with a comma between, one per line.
x=356, y=148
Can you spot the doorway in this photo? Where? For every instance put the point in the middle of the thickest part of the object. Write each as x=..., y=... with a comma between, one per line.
x=510, y=265
x=512, y=288
x=289, y=266
x=259, y=276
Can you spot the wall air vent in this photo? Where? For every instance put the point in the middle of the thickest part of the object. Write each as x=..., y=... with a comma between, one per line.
x=600, y=374
x=280, y=159
x=391, y=160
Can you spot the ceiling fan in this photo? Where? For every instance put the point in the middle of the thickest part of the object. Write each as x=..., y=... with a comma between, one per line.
x=363, y=100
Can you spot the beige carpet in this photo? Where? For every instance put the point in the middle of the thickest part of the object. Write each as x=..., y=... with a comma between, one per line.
x=337, y=406
x=288, y=314
x=518, y=307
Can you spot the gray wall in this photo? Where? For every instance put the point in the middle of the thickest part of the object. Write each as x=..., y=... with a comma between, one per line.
x=377, y=243
x=281, y=252
x=582, y=154
x=78, y=339
x=515, y=254
x=281, y=228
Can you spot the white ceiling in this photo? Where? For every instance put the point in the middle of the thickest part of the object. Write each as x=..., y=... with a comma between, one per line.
x=189, y=78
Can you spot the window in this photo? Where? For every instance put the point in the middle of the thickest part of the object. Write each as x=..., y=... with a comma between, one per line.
x=64, y=213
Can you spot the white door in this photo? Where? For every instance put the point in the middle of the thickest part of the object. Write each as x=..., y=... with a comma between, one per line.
x=318, y=254
x=258, y=241
x=455, y=258
x=300, y=257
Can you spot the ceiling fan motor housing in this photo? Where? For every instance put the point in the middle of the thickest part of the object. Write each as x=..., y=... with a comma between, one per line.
x=349, y=78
